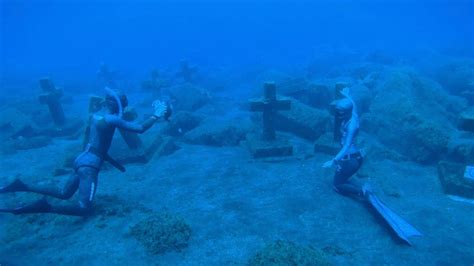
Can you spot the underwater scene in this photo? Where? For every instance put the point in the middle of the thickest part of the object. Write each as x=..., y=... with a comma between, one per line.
x=205, y=132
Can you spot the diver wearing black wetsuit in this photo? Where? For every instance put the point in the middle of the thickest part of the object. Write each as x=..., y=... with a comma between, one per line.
x=87, y=165
x=349, y=159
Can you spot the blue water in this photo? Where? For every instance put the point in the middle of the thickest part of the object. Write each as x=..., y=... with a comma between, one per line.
x=410, y=66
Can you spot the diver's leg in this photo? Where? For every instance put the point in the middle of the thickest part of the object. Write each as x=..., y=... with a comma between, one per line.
x=344, y=171
x=61, y=193
x=87, y=187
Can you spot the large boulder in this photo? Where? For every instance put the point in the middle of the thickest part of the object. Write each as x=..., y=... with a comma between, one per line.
x=181, y=123
x=303, y=121
x=12, y=121
x=219, y=132
x=413, y=116
x=187, y=97
x=457, y=76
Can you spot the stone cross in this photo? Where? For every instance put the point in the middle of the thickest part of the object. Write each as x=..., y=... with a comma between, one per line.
x=153, y=85
x=107, y=75
x=269, y=105
x=187, y=72
x=51, y=96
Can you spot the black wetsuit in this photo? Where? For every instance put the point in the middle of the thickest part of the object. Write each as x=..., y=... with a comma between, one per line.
x=86, y=169
x=350, y=161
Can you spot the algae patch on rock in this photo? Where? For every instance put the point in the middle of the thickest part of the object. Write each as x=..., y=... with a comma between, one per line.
x=288, y=253
x=160, y=233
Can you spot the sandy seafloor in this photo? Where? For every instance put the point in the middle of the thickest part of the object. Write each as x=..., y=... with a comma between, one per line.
x=235, y=205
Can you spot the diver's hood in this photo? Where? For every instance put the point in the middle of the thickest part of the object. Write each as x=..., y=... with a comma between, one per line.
x=119, y=98
x=342, y=107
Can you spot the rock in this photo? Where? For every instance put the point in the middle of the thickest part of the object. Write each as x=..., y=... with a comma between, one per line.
x=71, y=128
x=364, y=71
x=318, y=96
x=326, y=144
x=26, y=131
x=186, y=97
x=21, y=143
x=303, y=121
x=218, y=133
x=62, y=171
x=160, y=233
x=181, y=123
x=461, y=148
x=454, y=179
x=362, y=96
x=380, y=57
x=371, y=80
x=153, y=145
x=288, y=253
x=260, y=148
x=466, y=121
x=12, y=121
x=313, y=94
x=413, y=116
x=457, y=76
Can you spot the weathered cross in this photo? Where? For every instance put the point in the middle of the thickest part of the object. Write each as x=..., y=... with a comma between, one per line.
x=269, y=105
x=187, y=72
x=51, y=97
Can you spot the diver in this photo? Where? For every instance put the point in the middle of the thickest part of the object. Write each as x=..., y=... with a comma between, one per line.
x=87, y=164
x=349, y=160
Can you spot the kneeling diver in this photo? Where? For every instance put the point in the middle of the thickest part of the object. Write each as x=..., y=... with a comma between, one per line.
x=87, y=165
x=350, y=159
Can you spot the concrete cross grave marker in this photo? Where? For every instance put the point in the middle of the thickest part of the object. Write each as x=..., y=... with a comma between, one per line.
x=187, y=72
x=107, y=75
x=51, y=97
x=267, y=144
x=269, y=105
x=153, y=85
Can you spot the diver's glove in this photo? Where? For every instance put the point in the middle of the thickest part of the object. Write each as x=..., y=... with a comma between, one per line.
x=160, y=109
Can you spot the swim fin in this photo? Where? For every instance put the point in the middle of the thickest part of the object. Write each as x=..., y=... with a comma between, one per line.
x=39, y=206
x=403, y=229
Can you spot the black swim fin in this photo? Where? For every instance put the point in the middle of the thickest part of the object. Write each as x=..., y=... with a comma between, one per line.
x=40, y=206
x=402, y=228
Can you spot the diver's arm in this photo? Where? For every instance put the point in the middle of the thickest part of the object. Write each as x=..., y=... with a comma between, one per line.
x=131, y=126
x=162, y=110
